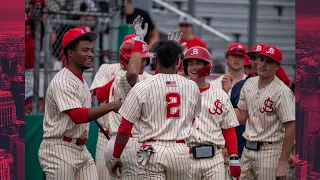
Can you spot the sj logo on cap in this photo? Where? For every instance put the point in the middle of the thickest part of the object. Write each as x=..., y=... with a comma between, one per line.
x=270, y=51
x=258, y=49
x=144, y=48
x=194, y=51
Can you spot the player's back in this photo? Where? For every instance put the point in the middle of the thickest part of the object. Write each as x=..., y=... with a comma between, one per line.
x=169, y=103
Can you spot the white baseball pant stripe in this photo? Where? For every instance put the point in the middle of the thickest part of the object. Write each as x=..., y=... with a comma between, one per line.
x=128, y=158
x=262, y=164
x=171, y=161
x=62, y=160
x=102, y=169
x=208, y=168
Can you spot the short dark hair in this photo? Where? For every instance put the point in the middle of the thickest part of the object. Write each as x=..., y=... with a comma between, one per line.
x=168, y=52
x=74, y=44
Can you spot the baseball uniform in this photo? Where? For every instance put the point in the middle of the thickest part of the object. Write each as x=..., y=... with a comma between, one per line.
x=218, y=82
x=216, y=114
x=62, y=153
x=268, y=109
x=105, y=73
x=164, y=122
x=119, y=90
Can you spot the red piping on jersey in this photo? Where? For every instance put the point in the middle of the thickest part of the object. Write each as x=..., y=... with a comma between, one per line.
x=77, y=75
x=231, y=140
x=102, y=93
x=78, y=115
x=204, y=89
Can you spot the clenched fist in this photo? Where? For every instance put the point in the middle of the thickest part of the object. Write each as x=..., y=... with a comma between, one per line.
x=227, y=82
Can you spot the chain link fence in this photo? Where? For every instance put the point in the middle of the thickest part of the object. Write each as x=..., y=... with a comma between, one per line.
x=49, y=23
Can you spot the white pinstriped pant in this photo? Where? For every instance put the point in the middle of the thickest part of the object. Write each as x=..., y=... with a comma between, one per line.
x=171, y=161
x=128, y=158
x=62, y=160
x=208, y=168
x=102, y=169
x=262, y=164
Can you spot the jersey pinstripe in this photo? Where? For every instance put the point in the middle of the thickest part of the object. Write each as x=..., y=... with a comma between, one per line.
x=65, y=91
x=216, y=114
x=104, y=75
x=163, y=106
x=268, y=109
x=119, y=90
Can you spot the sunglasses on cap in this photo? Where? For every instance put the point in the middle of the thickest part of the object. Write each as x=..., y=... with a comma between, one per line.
x=237, y=50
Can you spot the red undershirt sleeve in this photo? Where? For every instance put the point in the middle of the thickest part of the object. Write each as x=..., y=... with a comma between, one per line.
x=125, y=129
x=102, y=93
x=78, y=115
x=231, y=140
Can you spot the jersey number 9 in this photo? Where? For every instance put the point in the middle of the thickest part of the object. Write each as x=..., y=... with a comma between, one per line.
x=173, y=105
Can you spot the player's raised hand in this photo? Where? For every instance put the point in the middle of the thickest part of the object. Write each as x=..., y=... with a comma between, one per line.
x=227, y=82
x=116, y=168
x=140, y=31
x=175, y=36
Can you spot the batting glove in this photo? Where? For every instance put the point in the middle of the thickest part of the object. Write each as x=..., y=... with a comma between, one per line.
x=234, y=165
x=138, y=30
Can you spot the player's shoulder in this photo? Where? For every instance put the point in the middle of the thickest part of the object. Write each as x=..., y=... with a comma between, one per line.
x=64, y=79
x=197, y=38
x=251, y=81
x=283, y=88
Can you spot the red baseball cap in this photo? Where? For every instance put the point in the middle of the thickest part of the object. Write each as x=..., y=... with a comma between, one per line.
x=247, y=60
x=130, y=36
x=256, y=49
x=236, y=48
x=75, y=34
x=272, y=52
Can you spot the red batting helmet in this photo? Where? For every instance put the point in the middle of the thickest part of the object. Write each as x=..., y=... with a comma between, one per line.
x=126, y=50
x=200, y=53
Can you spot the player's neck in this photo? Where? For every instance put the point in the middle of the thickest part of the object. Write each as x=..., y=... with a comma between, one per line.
x=188, y=37
x=201, y=82
x=166, y=70
x=264, y=81
x=75, y=70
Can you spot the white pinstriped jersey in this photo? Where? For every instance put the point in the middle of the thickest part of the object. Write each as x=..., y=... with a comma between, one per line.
x=65, y=91
x=216, y=114
x=104, y=75
x=268, y=109
x=218, y=83
x=119, y=90
x=163, y=107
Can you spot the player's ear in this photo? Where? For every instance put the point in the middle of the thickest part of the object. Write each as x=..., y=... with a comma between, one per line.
x=70, y=52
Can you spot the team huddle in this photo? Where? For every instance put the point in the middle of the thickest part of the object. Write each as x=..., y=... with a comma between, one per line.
x=168, y=126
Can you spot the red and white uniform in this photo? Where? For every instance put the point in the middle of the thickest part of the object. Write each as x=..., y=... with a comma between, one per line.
x=105, y=73
x=58, y=158
x=119, y=90
x=268, y=109
x=165, y=123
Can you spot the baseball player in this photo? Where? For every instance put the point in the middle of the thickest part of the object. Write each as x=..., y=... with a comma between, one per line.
x=63, y=154
x=164, y=125
x=101, y=86
x=234, y=58
x=134, y=56
x=269, y=106
x=213, y=128
x=247, y=65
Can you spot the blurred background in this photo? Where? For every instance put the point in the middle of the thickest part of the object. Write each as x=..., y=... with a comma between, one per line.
x=214, y=24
